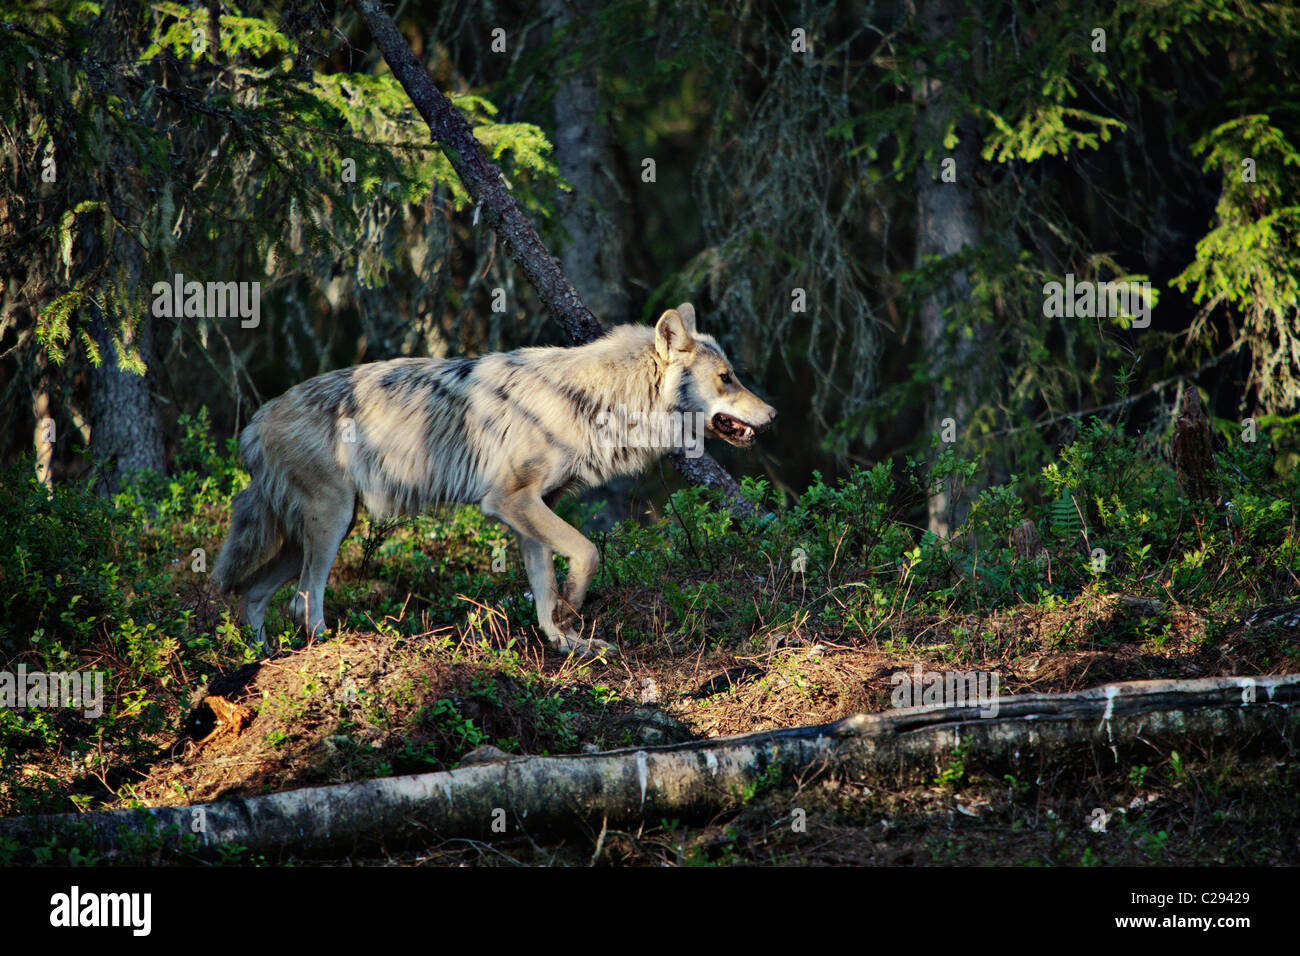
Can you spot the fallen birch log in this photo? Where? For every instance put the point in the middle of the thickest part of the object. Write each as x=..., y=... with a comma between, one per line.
x=623, y=787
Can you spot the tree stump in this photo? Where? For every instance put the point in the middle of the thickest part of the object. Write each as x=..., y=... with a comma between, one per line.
x=1191, y=450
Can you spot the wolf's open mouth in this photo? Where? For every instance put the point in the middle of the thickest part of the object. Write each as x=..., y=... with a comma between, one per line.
x=733, y=429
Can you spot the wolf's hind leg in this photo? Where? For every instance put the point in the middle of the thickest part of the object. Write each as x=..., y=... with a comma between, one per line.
x=327, y=516
x=264, y=582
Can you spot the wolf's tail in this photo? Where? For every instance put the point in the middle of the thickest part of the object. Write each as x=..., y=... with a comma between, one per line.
x=256, y=531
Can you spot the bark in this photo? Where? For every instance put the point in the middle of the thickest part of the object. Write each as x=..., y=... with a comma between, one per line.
x=126, y=434
x=594, y=217
x=1191, y=448
x=41, y=412
x=594, y=214
x=622, y=788
x=947, y=224
x=486, y=187
x=125, y=431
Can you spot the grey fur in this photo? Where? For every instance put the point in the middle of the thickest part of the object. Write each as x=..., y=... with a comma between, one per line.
x=503, y=431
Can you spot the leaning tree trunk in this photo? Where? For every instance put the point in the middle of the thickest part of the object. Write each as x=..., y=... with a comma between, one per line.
x=947, y=224
x=485, y=185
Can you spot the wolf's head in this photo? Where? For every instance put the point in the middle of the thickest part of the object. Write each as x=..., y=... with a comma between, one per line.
x=709, y=385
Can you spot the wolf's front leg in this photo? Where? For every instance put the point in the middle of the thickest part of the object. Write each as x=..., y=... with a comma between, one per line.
x=540, y=567
x=542, y=532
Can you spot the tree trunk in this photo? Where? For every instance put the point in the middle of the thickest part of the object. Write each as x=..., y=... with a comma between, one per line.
x=126, y=434
x=947, y=224
x=41, y=412
x=125, y=431
x=594, y=215
x=594, y=251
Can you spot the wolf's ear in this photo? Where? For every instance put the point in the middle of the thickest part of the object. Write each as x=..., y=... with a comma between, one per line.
x=687, y=312
x=671, y=337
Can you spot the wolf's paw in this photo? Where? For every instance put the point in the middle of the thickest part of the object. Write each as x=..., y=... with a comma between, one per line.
x=566, y=618
x=582, y=647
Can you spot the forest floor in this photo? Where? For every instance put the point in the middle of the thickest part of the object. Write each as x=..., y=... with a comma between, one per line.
x=359, y=705
x=434, y=654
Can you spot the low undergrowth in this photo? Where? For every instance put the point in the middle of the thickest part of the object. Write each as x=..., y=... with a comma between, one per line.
x=1097, y=568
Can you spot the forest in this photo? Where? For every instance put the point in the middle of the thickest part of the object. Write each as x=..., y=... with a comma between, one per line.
x=1011, y=577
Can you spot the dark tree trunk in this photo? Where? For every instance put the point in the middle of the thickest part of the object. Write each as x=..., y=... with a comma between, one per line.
x=595, y=214
x=947, y=224
x=126, y=434
x=594, y=251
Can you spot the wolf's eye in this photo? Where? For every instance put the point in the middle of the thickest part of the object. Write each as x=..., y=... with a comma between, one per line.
x=726, y=378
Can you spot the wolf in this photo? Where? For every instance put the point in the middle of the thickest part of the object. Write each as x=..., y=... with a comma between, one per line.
x=509, y=431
